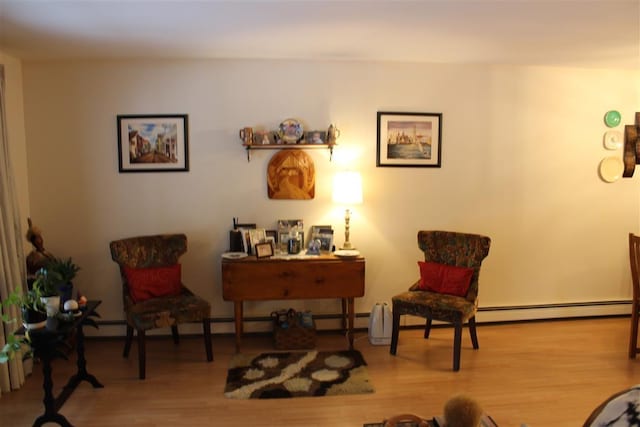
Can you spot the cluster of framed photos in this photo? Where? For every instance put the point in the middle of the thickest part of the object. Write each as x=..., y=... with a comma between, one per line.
x=264, y=243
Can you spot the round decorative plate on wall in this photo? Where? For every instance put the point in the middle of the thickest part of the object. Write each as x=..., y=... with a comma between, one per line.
x=612, y=118
x=290, y=131
x=611, y=168
x=613, y=140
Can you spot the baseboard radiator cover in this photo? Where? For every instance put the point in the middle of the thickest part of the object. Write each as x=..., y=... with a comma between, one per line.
x=332, y=322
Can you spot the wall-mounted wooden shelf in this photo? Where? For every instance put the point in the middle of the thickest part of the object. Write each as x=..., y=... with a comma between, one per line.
x=290, y=135
x=302, y=146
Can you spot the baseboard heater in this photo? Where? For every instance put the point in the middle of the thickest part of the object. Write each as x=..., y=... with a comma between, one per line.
x=495, y=314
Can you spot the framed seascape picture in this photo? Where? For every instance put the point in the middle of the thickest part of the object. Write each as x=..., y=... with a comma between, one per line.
x=409, y=139
x=153, y=143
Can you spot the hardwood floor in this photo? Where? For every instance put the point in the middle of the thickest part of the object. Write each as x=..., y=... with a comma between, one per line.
x=539, y=373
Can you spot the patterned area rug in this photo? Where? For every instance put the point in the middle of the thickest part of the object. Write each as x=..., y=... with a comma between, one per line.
x=297, y=374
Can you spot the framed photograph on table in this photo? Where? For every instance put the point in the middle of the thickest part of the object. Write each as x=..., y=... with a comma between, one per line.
x=264, y=250
x=324, y=233
x=257, y=235
x=409, y=140
x=153, y=143
x=272, y=234
x=246, y=240
x=286, y=230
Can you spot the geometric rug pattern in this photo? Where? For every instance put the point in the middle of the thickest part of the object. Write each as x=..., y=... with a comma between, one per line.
x=278, y=375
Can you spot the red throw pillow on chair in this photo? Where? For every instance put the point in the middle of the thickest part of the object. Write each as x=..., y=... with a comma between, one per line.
x=445, y=279
x=146, y=283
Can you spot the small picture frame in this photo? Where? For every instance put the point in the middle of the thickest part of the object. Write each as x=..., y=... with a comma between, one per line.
x=245, y=239
x=257, y=235
x=324, y=233
x=272, y=240
x=272, y=234
x=264, y=250
x=287, y=228
x=264, y=137
x=314, y=247
x=315, y=137
x=326, y=240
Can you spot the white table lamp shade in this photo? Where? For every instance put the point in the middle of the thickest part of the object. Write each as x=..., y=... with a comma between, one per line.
x=347, y=188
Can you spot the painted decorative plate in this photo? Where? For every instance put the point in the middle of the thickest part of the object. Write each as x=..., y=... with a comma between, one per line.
x=611, y=168
x=234, y=255
x=347, y=253
x=612, y=118
x=290, y=131
x=613, y=140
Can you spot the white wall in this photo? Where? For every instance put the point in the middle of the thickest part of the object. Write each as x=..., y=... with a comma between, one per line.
x=520, y=154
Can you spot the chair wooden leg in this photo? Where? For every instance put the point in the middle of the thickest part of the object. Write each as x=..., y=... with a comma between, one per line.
x=174, y=333
x=395, y=329
x=427, y=328
x=633, y=337
x=457, y=342
x=206, y=327
x=127, y=342
x=142, y=355
x=472, y=332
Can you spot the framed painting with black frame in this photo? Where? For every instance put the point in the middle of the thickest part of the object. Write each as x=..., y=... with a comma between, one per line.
x=153, y=143
x=409, y=140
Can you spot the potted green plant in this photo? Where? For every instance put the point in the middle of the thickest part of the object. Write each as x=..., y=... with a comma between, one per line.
x=33, y=317
x=47, y=284
x=67, y=270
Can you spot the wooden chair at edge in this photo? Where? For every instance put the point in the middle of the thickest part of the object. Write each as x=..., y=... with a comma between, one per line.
x=634, y=259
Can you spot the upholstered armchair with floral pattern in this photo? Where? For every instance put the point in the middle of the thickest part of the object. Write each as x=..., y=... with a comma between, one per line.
x=152, y=290
x=448, y=287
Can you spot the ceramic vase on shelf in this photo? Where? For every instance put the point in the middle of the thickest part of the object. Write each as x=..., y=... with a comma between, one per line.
x=246, y=135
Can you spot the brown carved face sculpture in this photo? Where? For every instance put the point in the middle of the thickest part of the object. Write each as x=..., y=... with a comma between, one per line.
x=291, y=175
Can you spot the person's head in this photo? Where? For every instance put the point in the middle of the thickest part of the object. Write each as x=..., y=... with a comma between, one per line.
x=462, y=411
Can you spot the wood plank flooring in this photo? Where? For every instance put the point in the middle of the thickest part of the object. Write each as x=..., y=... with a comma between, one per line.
x=550, y=373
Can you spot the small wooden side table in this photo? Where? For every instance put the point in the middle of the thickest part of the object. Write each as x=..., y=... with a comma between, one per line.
x=284, y=278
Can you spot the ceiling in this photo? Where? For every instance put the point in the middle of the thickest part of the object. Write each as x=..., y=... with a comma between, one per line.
x=582, y=33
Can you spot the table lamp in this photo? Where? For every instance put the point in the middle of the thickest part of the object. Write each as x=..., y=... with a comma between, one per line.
x=347, y=190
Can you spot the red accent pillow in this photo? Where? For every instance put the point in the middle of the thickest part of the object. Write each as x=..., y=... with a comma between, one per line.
x=445, y=279
x=146, y=283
